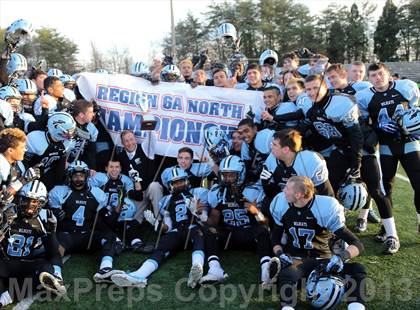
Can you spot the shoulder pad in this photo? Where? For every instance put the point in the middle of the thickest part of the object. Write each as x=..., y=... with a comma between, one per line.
x=286, y=107
x=409, y=90
x=312, y=165
x=254, y=193
x=200, y=193
x=36, y=142
x=162, y=204
x=165, y=176
x=342, y=108
x=245, y=152
x=263, y=141
x=200, y=169
x=99, y=196
x=128, y=210
x=271, y=162
x=278, y=208
x=93, y=132
x=98, y=180
x=304, y=103
x=212, y=197
x=328, y=212
x=363, y=99
x=128, y=183
x=361, y=85
x=58, y=195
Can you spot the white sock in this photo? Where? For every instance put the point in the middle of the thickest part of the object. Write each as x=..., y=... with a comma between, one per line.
x=355, y=306
x=390, y=229
x=145, y=270
x=106, y=262
x=214, y=265
x=5, y=299
x=418, y=217
x=287, y=308
x=264, y=268
x=198, y=258
x=363, y=214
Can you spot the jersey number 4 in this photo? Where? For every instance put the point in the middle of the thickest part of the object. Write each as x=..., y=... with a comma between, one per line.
x=79, y=216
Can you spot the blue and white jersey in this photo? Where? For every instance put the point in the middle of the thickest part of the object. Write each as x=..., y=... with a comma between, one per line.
x=381, y=107
x=232, y=208
x=306, y=163
x=309, y=228
x=80, y=206
x=174, y=208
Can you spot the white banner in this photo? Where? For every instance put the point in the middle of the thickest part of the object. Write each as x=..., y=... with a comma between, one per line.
x=182, y=112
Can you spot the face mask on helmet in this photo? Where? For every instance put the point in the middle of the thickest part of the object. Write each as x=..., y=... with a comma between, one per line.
x=29, y=207
x=179, y=185
x=229, y=178
x=18, y=33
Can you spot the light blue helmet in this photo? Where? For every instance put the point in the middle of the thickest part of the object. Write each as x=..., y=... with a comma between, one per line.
x=269, y=57
x=353, y=195
x=26, y=86
x=54, y=72
x=18, y=32
x=61, y=126
x=17, y=65
x=409, y=121
x=67, y=79
x=170, y=73
x=175, y=174
x=217, y=142
x=324, y=291
x=128, y=210
x=139, y=69
x=227, y=31
x=34, y=190
x=78, y=166
x=9, y=92
x=232, y=163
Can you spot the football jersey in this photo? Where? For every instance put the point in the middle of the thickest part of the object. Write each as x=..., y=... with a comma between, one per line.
x=80, y=206
x=175, y=207
x=382, y=106
x=24, y=236
x=306, y=163
x=232, y=206
x=308, y=229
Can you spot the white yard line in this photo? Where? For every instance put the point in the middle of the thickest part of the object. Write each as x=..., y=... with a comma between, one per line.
x=24, y=304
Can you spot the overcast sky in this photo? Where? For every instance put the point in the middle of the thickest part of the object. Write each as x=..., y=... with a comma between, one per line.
x=139, y=25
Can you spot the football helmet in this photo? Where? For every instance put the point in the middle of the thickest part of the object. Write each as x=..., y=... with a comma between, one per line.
x=230, y=164
x=269, y=57
x=61, y=126
x=324, y=291
x=18, y=32
x=353, y=195
x=17, y=65
x=68, y=81
x=31, y=198
x=9, y=92
x=227, y=31
x=170, y=73
x=217, y=143
x=26, y=86
x=55, y=72
x=139, y=69
x=176, y=174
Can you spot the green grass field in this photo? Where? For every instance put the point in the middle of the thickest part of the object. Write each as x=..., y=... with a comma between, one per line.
x=394, y=281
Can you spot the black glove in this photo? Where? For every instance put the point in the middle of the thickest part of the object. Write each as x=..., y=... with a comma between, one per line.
x=195, y=59
x=59, y=214
x=168, y=60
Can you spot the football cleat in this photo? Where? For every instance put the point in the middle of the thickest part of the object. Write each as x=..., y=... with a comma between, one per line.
x=104, y=275
x=213, y=278
x=373, y=217
x=361, y=225
x=127, y=280
x=381, y=235
x=274, y=267
x=195, y=275
x=52, y=283
x=391, y=245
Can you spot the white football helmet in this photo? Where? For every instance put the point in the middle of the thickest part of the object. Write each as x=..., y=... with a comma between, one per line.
x=54, y=72
x=353, y=195
x=269, y=57
x=18, y=32
x=139, y=69
x=227, y=31
x=31, y=198
x=61, y=126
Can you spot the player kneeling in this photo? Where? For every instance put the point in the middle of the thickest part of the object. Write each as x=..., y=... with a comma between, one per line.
x=308, y=221
x=30, y=228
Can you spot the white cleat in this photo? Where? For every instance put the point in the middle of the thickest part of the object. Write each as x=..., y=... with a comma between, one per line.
x=274, y=267
x=195, y=275
x=125, y=280
x=52, y=283
x=104, y=275
x=211, y=278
